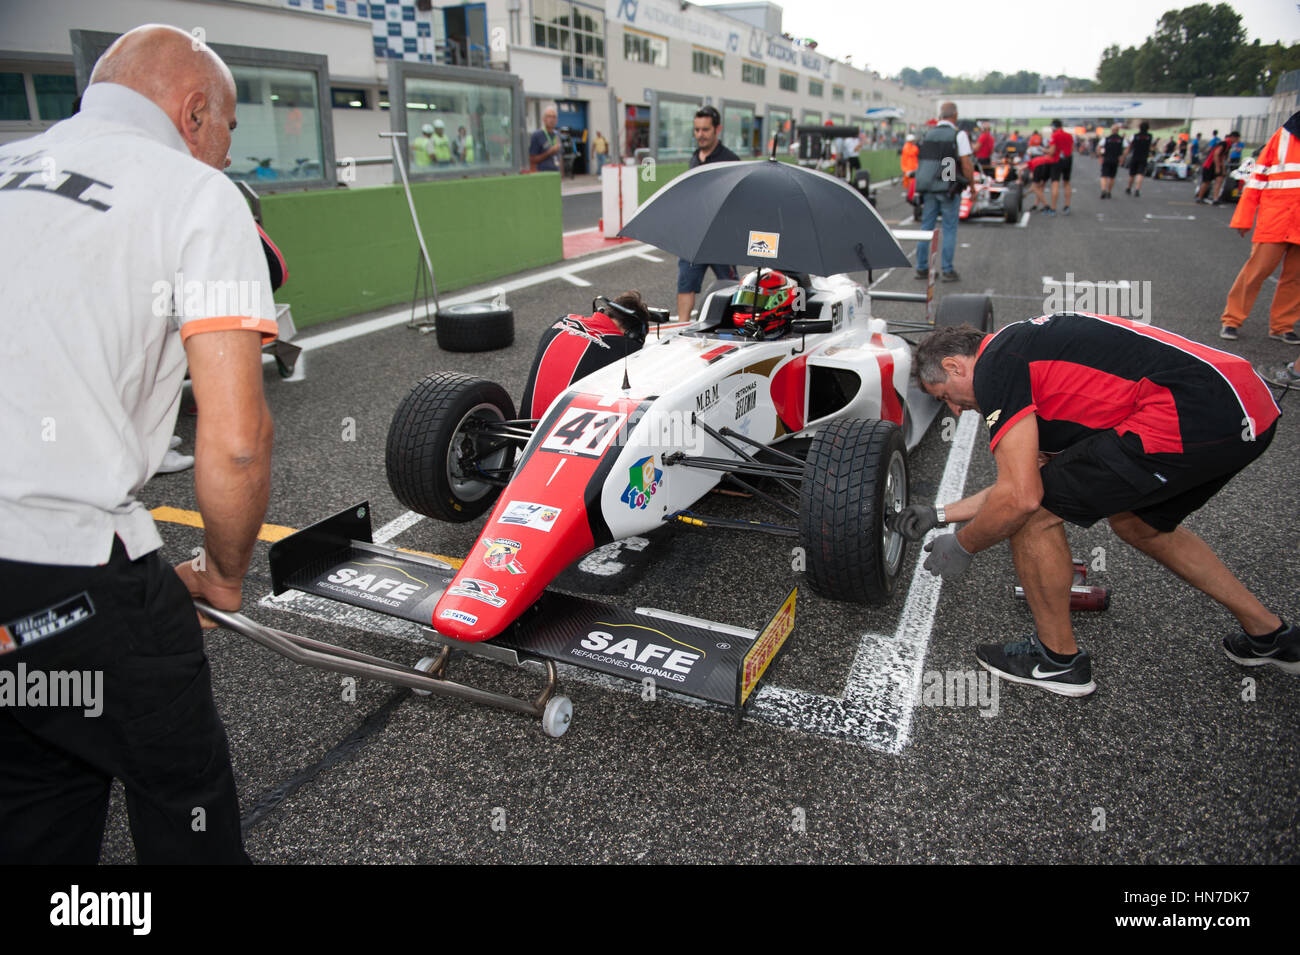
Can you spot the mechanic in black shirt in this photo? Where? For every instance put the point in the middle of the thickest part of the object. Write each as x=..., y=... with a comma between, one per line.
x=1135, y=158
x=1090, y=417
x=690, y=276
x=1111, y=149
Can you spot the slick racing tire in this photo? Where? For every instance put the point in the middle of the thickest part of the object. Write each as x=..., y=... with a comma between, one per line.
x=434, y=455
x=1011, y=204
x=479, y=326
x=854, y=483
x=966, y=309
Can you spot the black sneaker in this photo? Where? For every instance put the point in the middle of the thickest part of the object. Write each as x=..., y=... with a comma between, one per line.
x=1065, y=211
x=1228, y=332
x=1290, y=338
x=1025, y=661
x=1128, y=190
x=951, y=276
x=1287, y=375
x=1137, y=193
x=1283, y=651
x=922, y=273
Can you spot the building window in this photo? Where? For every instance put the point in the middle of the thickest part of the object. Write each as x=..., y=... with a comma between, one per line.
x=279, y=131
x=857, y=96
x=676, y=134
x=645, y=48
x=453, y=125
x=707, y=63
x=740, y=130
x=789, y=81
x=837, y=92
x=754, y=73
x=877, y=95
x=816, y=88
x=577, y=31
x=13, y=97
x=349, y=98
x=54, y=95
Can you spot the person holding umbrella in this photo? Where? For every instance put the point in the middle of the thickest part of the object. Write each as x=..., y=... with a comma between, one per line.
x=690, y=276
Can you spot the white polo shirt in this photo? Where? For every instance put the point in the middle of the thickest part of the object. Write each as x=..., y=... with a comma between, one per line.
x=117, y=246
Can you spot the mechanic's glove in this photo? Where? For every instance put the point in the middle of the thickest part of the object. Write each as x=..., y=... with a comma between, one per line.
x=916, y=520
x=948, y=559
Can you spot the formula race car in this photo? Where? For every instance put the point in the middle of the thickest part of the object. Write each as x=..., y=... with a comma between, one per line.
x=784, y=387
x=1168, y=167
x=997, y=195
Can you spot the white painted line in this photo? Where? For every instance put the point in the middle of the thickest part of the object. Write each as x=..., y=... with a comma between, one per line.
x=1179, y=218
x=884, y=276
x=594, y=228
x=649, y=257
x=1117, y=229
x=1024, y=220
x=884, y=683
x=396, y=526
x=323, y=339
x=574, y=280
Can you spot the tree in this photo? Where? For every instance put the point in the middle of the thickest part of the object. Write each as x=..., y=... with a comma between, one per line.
x=1193, y=49
x=1115, y=72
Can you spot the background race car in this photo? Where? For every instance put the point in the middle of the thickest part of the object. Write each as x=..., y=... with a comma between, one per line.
x=992, y=196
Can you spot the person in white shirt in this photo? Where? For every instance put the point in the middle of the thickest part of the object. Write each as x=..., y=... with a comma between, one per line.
x=130, y=256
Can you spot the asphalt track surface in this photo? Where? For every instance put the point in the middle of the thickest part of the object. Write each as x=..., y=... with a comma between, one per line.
x=1166, y=762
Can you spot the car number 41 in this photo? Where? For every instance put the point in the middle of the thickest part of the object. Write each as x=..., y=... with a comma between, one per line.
x=583, y=432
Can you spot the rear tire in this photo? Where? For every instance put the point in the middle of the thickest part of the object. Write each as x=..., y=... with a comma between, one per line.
x=855, y=479
x=431, y=446
x=478, y=326
x=965, y=309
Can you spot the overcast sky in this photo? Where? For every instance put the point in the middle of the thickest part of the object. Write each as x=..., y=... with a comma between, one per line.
x=972, y=38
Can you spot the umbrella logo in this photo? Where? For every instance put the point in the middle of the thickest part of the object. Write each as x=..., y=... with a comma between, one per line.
x=763, y=245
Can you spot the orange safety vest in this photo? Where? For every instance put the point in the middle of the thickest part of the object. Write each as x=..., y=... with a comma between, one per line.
x=911, y=158
x=1035, y=140
x=1271, y=197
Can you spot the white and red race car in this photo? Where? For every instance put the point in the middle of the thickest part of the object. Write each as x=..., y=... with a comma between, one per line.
x=997, y=196
x=818, y=421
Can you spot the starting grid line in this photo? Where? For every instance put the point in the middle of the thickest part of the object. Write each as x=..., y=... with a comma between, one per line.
x=875, y=708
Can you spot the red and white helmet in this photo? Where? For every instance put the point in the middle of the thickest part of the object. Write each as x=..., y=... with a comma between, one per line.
x=764, y=303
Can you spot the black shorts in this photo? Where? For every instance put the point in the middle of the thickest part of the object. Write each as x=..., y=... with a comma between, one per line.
x=1208, y=174
x=1043, y=172
x=1108, y=169
x=1108, y=473
x=1136, y=168
x=1061, y=168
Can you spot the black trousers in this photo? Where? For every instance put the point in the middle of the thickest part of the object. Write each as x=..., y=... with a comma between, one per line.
x=158, y=730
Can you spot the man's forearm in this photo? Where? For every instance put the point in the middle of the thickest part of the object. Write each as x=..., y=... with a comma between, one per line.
x=997, y=517
x=232, y=485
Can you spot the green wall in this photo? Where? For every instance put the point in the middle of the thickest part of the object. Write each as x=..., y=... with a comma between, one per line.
x=354, y=250
x=881, y=163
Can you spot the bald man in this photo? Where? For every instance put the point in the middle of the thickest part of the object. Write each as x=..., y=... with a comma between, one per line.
x=545, y=144
x=141, y=257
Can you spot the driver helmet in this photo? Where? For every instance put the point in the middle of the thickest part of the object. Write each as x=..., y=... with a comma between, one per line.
x=765, y=300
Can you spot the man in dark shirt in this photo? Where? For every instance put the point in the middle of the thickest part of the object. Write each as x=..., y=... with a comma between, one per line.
x=1092, y=417
x=690, y=276
x=1212, y=172
x=545, y=144
x=1135, y=158
x=1111, y=149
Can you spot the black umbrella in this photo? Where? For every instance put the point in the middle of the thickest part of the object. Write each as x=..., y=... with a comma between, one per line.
x=766, y=214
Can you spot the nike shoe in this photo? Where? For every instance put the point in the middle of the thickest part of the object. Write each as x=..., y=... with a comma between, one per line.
x=1282, y=651
x=1228, y=332
x=1025, y=661
x=1289, y=338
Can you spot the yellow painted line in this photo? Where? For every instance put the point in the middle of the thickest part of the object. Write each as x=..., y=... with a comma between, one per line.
x=271, y=532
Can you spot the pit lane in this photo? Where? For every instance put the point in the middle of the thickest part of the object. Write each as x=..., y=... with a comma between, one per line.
x=1184, y=768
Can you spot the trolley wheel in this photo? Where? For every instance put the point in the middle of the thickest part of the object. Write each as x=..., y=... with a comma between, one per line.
x=425, y=666
x=557, y=716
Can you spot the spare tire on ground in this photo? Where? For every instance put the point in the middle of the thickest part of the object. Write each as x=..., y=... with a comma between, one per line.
x=477, y=326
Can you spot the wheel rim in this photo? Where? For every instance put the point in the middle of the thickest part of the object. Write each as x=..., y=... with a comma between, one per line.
x=464, y=449
x=894, y=500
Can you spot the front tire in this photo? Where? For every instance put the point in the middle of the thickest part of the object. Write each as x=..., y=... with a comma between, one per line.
x=434, y=457
x=855, y=481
